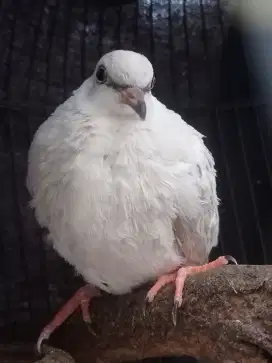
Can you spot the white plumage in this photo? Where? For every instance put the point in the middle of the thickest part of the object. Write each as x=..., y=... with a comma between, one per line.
x=124, y=200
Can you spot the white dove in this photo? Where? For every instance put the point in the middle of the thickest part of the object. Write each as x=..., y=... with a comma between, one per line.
x=126, y=188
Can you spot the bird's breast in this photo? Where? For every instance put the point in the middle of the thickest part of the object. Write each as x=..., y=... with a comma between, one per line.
x=114, y=214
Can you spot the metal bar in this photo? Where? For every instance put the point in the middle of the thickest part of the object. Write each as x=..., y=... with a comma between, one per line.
x=101, y=31
x=229, y=182
x=266, y=158
x=65, y=51
x=222, y=243
x=136, y=28
x=220, y=19
x=50, y=34
x=264, y=150
x=119, y=23
x=32, y=56
x=204, y=40
x=250, y=184
x=16, y=203
x=37, y=31
x=171, y=46
x=83, y=41
x=246, y=164
x=187, y=50
x=152, y=42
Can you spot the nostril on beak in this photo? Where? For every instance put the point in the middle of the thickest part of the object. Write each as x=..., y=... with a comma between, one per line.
x=134, y=97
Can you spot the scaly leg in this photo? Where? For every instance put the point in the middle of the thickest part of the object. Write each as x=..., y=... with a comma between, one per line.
x=80, y=299
x=179, y=278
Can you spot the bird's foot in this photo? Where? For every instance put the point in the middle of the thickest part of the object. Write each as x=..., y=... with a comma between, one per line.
x=80, y=299
x=179, y=278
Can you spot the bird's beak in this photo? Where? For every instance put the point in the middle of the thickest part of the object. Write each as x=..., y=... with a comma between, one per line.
x=134, y=97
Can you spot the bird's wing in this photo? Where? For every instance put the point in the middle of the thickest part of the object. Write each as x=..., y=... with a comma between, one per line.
x=48, y=160
x=197, y=234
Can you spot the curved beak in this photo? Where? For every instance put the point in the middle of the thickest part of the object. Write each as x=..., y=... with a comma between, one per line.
x=134, y=97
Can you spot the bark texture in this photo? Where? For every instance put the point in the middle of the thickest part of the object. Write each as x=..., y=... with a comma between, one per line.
x=226, y=316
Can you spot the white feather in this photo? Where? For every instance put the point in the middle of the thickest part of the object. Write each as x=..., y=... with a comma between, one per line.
x=109, y=186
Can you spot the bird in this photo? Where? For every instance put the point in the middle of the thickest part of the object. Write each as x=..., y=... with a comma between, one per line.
x=125, y=187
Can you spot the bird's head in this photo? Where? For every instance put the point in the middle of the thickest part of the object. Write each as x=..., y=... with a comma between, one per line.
x=121, y=84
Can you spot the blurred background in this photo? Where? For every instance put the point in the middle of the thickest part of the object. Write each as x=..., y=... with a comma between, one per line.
x=213, y=66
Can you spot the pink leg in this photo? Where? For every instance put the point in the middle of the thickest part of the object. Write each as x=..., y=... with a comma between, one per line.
x=162, y=281
x=180, y=276
x=81, y=298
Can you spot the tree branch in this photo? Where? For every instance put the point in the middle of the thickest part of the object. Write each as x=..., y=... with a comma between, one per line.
x=226, y=315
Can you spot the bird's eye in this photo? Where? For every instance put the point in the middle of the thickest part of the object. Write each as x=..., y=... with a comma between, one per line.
x=101, y=74
x=152, y=84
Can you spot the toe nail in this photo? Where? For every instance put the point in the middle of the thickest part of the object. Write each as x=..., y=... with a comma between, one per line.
x=231, y=259
x=40, y=342
x=145, y=305
x=175, y=312
x=90, y=329
x=38, y=346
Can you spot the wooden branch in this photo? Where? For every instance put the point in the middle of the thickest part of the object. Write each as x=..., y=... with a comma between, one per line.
x=226, y=317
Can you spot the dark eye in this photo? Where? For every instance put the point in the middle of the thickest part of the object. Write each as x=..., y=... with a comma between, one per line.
x=101, y=74
x=152, y=84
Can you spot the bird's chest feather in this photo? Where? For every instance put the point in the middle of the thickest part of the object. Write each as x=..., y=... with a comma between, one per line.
x=119, y=203
x=130, y=180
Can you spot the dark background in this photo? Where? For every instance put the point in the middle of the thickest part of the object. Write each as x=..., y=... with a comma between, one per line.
x=48, y=47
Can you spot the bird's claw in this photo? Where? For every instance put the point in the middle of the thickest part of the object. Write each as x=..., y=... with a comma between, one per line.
x=146, y=304
x=90, y=329
x=231, y=259
x=177, y=304
x=43, y=336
